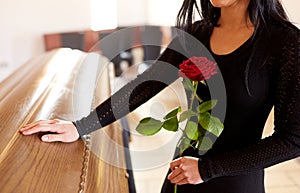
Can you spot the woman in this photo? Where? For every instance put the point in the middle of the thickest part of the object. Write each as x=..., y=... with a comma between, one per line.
x=257, y=51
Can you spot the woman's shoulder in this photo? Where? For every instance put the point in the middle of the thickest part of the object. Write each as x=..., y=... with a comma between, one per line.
x=283, y=39
x=277, y=36
x=284, y=32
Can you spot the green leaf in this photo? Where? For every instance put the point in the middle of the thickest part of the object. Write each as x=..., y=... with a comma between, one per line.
x=149, y=126
x=207, y=106
x=204, y=119
x=216, y=126
x=211, y=123
x=171, y=124
x=191, y=130
x=173, y=113
x=187, y=115
x=188, y=84
x=205, y=144
x=183, y=144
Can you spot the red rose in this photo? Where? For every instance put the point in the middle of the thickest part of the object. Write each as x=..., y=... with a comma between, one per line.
x=197, y=68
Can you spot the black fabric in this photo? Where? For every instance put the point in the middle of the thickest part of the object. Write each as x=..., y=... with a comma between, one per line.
x=235, y=163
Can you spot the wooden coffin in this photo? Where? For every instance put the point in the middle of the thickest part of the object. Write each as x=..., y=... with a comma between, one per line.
x=62, y=84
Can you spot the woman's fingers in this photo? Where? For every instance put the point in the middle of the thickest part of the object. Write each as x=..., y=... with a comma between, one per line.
x=41, y=128
x=64, y=131
x=185, y=171
x=175, y=163
x=176, y=176
x=40, y=122
x=183, y=181
x=178, y=179
x=53, y=137
x=174, y=173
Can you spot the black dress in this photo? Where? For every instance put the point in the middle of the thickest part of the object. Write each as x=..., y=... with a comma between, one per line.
x=262, y=73
x=238, y=127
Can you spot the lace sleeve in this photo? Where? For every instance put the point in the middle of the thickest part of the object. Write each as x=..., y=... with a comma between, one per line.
x=162, y=73
x=284, y=144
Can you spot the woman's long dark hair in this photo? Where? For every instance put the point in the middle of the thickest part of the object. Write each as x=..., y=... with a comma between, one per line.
x=260, y=13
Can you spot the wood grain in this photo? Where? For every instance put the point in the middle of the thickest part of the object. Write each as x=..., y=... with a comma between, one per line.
x=42, y=89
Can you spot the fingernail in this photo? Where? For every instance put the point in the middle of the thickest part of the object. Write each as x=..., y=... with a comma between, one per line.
x=45, y=138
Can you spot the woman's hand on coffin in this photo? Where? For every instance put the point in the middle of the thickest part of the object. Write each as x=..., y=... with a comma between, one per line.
x=55, y=130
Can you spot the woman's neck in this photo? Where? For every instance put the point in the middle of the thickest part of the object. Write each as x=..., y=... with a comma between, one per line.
x=233, y=30
x=235, y=16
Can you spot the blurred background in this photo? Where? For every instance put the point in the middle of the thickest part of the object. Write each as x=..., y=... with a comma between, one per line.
x=24, y=22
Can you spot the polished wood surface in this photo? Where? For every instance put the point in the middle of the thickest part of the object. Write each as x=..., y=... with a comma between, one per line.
x=47, y=87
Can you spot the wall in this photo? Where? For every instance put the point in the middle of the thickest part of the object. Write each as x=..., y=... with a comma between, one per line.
x=23, y=22
x=132, y=12
x=292, y=9
x=162, y=12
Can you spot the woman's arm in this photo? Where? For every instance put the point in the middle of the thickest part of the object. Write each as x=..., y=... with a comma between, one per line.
x=162, y=73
